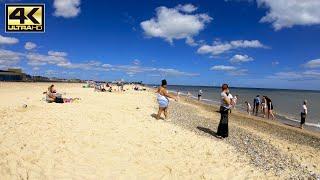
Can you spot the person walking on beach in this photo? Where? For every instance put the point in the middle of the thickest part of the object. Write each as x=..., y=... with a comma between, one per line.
x=248, y=107
x=163, y=99
x=199, y=95
x=234, y=101
x=225, y=106
x=269, y=107
x=304, y=113
x=264, y=106
x=256, y=105
x=178, y=93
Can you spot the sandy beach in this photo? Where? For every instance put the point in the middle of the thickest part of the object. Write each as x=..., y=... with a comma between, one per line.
x=115, y=136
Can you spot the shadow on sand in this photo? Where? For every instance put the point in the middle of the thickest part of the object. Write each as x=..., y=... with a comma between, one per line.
x=208, y=131
x=155, y=116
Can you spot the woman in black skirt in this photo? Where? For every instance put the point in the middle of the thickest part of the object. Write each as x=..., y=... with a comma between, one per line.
x=223, y=130
x=304, y=113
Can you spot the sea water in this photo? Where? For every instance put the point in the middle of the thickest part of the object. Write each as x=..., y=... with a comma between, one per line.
x=287, y=103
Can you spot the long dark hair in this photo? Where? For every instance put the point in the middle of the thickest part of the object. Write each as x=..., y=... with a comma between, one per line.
x=163, y=82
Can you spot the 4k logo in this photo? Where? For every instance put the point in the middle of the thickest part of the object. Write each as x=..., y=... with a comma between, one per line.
x=25, y=18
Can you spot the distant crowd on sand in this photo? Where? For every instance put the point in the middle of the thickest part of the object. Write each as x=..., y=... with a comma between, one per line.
x=111, y=87
x=53, y=96
x=228, y=102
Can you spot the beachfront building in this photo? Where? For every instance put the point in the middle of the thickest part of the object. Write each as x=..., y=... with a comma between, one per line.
x=12, y=75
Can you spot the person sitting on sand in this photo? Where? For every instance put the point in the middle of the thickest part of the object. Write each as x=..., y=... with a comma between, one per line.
x=248, y=107
x=304, y=113
x=52, y=96
x=270, y=107
x=163, y=99
x=225, y=106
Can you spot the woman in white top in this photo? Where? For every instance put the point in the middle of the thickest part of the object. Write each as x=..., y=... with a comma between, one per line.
x=225, y=107
x=304, y=113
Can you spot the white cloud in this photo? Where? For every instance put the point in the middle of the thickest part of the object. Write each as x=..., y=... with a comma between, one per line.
x=238, y=58
x=59, y=59
x=219, y=48
x=135, y=69
x=174, y=72
x=231, y=70
x=30, y=45
x=190, y=41
x=313, y=64
x=175, y=23
x=57, y=53
x=247, y=44
x=35, y=69
x=8, y=40
x=188, y=8
x=35, y=59
x=66, y=8
x=239, y=72
x=136, y=62
x=275, y=63
x=51, y=72
x=297, y=76
x=288, y=13
x=9, y=58
x=223, y=68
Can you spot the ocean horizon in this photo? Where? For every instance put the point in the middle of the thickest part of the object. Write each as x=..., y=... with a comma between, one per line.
x=287, y=102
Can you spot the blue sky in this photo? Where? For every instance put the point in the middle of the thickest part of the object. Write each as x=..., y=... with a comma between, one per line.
x=262, y=43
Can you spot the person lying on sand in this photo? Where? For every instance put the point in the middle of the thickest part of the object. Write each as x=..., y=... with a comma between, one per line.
x=163, y=99
x=52, y=96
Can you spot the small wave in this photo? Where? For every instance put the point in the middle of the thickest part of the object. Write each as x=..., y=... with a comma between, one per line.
x=313, y=125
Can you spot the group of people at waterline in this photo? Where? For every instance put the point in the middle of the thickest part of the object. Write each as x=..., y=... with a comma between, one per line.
x=228, y=102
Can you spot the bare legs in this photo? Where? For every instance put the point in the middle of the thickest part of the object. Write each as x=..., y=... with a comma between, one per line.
x=163, y=110
x=270, y=113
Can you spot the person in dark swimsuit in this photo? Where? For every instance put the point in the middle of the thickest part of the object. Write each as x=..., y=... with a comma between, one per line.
x=270, y=107
x=304, y=113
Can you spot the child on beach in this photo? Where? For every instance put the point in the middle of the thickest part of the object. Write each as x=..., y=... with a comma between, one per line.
x=234, y=101
x=163, y=99
x=248, y=107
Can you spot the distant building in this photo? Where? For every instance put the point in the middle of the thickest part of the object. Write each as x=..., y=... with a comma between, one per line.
x=12, y=75
x=18, y=75
x=40, y=79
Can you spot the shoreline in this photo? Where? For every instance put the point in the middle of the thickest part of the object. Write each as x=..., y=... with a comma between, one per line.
x=279, y=118
x=240, y=114
x=270, y=146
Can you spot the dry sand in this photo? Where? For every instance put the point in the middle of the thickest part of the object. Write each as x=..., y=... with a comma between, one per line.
x=105, y=136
